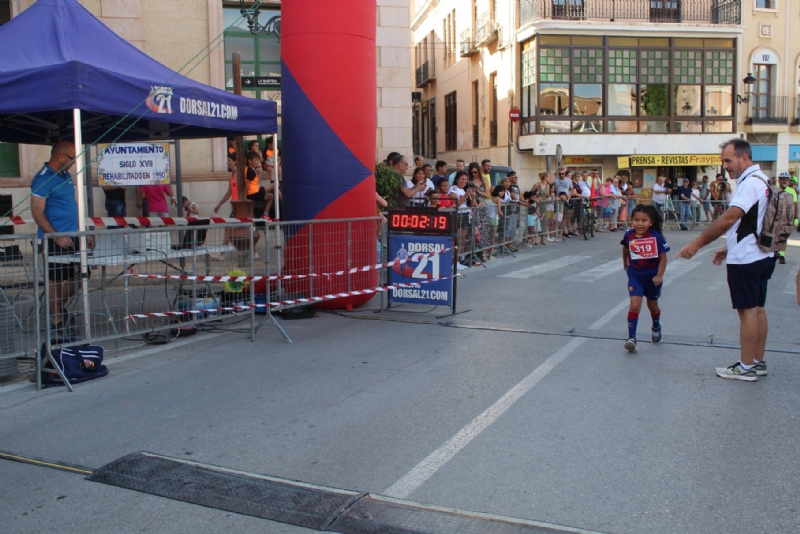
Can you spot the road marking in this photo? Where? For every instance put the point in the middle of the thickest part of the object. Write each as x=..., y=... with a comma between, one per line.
x=424, y=470
x=427, y=467
x=791, y=283
x=544, y=267
x=595, y=274
x=674, y=271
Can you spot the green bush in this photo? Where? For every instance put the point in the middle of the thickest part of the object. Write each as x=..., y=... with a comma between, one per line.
x=387, y=184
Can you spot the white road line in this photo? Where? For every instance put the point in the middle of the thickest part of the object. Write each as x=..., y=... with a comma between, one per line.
x=596, y=273
x=675, y=269
x=791, y=282
x=427, y=467
x=438, y=458
x=545, y=267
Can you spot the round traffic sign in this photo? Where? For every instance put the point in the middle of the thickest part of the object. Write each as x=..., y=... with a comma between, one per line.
x=514, y=114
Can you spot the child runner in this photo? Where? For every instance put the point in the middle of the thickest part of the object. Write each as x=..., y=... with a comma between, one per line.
x=644, y=258
x=495, y=212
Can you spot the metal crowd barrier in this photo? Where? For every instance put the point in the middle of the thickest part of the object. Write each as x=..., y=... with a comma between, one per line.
x=21, y=283
x=143, y=281
x=318, y=258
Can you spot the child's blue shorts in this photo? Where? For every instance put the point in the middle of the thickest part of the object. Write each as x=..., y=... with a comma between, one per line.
x=641, y=285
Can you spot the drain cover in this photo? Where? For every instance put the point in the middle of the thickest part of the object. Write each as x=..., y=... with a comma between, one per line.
x=260, y=496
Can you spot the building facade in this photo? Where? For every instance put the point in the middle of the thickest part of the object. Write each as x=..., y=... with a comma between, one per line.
x=189, y=32
x=645, y=87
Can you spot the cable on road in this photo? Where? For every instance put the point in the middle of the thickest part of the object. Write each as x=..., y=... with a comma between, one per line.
x=60, y=466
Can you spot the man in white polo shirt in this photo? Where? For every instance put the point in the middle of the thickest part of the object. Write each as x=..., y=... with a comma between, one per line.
x=749, y=268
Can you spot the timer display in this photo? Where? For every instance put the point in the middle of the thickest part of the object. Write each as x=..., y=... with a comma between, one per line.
x=421, y=221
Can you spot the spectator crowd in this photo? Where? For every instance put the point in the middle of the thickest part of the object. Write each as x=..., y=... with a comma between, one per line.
x=489, y=204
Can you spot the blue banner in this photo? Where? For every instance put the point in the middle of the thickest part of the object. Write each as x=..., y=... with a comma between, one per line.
x=421, y=266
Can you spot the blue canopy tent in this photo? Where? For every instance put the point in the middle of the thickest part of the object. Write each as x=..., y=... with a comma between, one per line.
x=57, y=57
x=65, y=75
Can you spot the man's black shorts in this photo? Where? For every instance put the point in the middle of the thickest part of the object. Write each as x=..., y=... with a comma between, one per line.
x=60, y=272
x=748, y=283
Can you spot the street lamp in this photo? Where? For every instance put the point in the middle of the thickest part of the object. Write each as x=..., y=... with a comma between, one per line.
x=273, y=25
x=749, y=81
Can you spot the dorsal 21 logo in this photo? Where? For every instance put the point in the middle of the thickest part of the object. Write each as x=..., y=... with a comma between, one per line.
x=160, y=99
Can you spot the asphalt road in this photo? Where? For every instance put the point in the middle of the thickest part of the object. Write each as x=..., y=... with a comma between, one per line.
x=525, y=406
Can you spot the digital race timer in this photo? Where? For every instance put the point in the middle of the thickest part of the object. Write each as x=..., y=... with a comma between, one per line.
x=421, y=222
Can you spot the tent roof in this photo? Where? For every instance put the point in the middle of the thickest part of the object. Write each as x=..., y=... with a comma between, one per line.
x=57, y=56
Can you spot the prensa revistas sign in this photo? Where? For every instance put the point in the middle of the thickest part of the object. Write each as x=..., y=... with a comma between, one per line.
x=133, y=164
x=676, y=160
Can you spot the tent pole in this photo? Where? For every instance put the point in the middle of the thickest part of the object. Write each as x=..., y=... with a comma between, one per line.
x=178, y=178
x=80, y=162
x=276, y=191
x=89, y=187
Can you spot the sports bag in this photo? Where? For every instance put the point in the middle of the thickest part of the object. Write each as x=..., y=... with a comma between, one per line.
x=79, y=364
x=778, y=221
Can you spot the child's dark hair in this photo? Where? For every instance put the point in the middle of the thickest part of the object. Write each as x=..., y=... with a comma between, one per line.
x=498, y=190
x=651, y=212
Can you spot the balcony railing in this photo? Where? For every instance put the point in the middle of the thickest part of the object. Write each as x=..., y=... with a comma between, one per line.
x=703, y=11
x=493, y=133
x=796, y=120
x=766, y=109
x=426, y=73
x=485, y=29
x=468, y=47
x=475, y=134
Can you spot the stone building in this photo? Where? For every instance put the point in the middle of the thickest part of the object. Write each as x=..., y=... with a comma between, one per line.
x=645, y=87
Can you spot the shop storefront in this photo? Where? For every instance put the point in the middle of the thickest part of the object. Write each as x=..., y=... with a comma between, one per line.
x=646, y=168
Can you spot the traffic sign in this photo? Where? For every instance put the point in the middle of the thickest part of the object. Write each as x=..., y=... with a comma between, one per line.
x=261, y=81
x=514, y=114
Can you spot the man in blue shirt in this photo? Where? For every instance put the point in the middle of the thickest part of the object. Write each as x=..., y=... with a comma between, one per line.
x=684, y=200
x=54, y=209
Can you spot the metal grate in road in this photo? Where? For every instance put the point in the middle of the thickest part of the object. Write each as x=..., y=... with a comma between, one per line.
x=259, y=496
x=299, y=503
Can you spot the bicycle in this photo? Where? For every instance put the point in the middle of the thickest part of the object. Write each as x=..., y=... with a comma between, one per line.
x=587, y=219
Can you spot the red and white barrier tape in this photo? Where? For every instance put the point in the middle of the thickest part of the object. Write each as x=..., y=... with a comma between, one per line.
x=289, y=302
x=141, y=221
x=288, y=276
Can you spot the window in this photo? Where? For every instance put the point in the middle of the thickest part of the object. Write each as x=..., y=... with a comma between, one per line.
x=434, y=129
x=760, y=99
x=9, y=160
x=495, y=103
x=5, y=11
x=415, y=131
x=765, y=4
x=627, y=84
x=621, y=100
x=261, y=54
x=450, y=122
x=476, y=114
x=665, y=11
x=568, y=9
